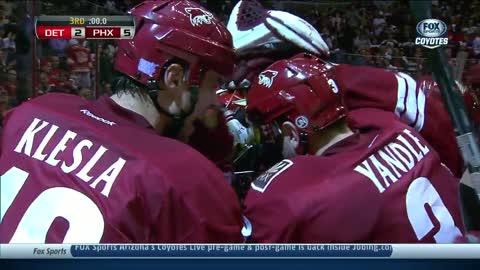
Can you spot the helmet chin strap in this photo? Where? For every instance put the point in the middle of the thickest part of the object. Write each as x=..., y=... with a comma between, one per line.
x=174, y=128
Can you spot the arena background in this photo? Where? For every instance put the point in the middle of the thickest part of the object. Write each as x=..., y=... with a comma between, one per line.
x=376, y=33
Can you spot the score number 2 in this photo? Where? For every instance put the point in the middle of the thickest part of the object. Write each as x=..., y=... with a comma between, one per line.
x=86, y=223
x=78, y=32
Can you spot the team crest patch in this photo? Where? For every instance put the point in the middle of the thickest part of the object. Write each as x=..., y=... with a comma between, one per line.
x=199, y=16
x=301, y=121
x=266, y=78
x=261, y=183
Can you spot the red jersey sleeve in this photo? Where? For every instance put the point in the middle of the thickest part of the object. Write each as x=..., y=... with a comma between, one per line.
x=418, y=104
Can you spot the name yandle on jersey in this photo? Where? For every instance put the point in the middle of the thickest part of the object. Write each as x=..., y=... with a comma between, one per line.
x=79, y=166
x=399, y=154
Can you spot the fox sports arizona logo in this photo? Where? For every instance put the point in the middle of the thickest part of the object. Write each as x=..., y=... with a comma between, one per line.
x=431, y=33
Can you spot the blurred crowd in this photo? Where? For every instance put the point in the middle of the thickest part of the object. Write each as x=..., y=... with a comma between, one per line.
x=382, y=34
x=8, y=74
x=376, y=33
x=69, y=66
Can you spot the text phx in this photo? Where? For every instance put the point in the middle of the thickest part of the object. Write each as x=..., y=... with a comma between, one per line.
x=103, y=32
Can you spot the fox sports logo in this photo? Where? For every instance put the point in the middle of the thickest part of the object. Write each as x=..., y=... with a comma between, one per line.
x=431, y=33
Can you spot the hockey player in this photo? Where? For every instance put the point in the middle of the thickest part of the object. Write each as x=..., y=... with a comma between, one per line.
x=260, y=37
x=77, y=171
x=368, y=157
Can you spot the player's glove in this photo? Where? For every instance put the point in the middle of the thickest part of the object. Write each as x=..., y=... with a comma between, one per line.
x=240, y=133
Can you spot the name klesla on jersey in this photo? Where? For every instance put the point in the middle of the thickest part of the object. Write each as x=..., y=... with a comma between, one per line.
x=80, y=167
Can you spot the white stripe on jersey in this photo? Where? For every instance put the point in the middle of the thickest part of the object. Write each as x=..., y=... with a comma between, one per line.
x=421, y=110
x=412, y=106
x=401, y=92
x=414, y=113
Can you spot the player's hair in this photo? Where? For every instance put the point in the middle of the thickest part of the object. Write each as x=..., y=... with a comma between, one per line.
x=123, y=84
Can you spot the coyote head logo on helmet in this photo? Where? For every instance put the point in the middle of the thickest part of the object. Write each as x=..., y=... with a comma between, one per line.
x=266, y=78
x=199, y=16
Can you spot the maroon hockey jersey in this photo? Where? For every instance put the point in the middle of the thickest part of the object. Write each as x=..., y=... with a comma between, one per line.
x=386, y=183
x=76, y=171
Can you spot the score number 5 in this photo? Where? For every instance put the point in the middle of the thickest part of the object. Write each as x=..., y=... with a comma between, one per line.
x=127, y=32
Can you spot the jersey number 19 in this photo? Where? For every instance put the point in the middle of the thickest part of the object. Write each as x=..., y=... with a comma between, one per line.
x=85, y=220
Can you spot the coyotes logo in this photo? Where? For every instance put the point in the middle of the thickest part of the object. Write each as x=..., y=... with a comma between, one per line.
x=199, y=16
x=266, y=78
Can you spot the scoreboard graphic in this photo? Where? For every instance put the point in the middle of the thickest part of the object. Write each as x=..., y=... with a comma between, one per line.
x=85, y=27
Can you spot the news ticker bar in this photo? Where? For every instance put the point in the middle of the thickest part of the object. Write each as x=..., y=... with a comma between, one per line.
x=85, y=27
x=243, y=251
